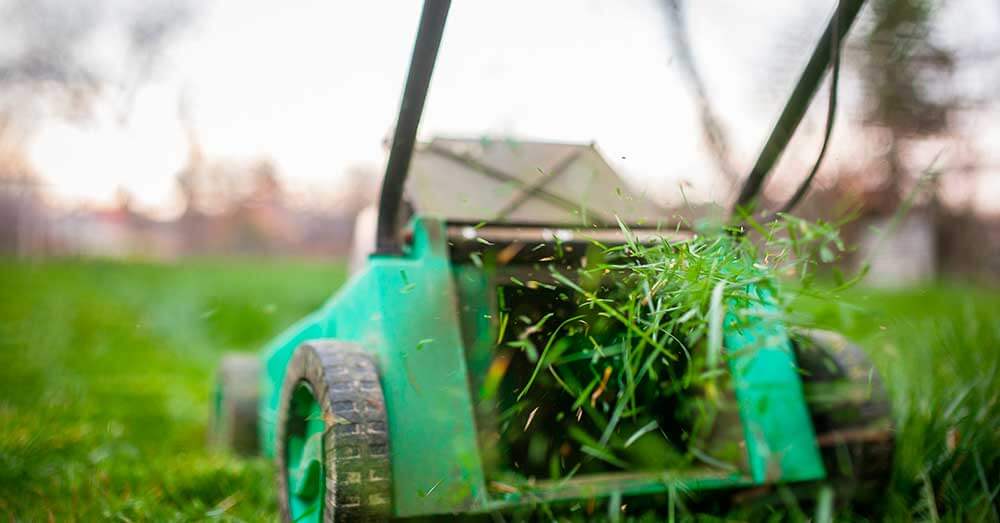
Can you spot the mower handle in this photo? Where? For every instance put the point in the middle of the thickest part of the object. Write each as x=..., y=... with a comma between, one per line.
x=795, y=108
x=425, y=49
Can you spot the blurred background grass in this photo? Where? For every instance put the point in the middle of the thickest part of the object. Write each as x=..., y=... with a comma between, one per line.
x=938, y=350
x=106, y=373
x=107, y=367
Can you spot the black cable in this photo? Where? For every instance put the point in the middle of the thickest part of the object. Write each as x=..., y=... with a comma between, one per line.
x=831, y=117
x=798, y=102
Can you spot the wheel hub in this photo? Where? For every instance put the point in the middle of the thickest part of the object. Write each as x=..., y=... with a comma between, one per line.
x=304, y=461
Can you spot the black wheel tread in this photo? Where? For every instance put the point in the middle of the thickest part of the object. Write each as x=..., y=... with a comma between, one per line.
x=356, y=441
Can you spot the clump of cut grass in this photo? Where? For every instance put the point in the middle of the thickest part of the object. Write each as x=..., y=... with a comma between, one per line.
x=645, y=339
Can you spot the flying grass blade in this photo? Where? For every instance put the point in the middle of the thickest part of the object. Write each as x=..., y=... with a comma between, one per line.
x=716, y=314
x=649, y=427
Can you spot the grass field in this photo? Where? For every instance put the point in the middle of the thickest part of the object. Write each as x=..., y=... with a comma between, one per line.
x=106, y=370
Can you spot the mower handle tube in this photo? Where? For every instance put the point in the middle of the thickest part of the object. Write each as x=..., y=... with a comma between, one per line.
x=425, y=50
x=836, y=29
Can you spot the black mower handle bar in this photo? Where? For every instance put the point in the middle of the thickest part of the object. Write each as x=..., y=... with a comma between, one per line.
x=425, y=49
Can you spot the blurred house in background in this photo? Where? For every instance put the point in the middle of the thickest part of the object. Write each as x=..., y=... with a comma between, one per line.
x=899, y=250
x=907, y=242
x=118, y=232
x=231, y=208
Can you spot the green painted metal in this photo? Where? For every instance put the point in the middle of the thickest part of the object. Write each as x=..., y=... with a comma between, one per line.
x=403, y=310
x=780, y=441
x=305, y=468
x=409, y=311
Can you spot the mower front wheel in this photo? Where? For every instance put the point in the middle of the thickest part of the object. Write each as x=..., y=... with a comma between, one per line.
x=332, y=443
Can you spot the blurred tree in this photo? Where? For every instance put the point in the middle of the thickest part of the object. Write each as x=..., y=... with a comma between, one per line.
x=908, y=97
x=711, y=126
x=49, y=59
x=50, y=65
x=265, y=187
x=22, y=216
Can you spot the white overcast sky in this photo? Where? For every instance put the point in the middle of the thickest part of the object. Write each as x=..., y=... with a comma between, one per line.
x=315, y=85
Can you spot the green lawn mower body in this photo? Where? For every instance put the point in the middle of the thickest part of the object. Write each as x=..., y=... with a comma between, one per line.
x=426, y=320
x=380, y=404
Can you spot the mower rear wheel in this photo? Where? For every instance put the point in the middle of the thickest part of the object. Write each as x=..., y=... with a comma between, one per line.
x=234, y=413
x=850, y=411
x=332, y=443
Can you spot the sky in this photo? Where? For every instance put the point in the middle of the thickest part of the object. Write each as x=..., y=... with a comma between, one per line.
x=315, y=85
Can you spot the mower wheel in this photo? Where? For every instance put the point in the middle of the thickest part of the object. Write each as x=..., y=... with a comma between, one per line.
x=850, y=412
x=234, y=413
x=332, y=443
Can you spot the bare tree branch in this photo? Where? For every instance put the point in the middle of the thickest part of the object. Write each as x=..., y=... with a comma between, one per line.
x=711, y=128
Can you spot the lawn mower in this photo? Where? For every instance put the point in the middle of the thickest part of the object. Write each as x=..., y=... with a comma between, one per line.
x=393, y=400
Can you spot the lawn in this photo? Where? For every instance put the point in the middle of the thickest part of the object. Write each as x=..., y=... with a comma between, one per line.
x=106, y=374
x=106, y=369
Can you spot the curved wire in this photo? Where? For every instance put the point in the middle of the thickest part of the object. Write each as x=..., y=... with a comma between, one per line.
x=831, y=117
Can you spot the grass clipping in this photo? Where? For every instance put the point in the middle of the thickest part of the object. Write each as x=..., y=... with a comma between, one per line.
x=635, y=376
